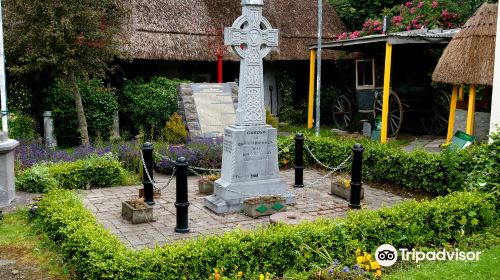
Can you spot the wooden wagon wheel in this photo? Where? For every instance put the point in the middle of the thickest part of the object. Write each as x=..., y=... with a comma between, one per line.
x=435, y=119
x=342, y=112
x=395, y=120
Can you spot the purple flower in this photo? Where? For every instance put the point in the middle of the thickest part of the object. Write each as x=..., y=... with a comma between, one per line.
x=330, y=271
x=345, y=269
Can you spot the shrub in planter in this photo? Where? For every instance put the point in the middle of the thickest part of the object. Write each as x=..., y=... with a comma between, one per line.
x=137, y=211
x=206, y=184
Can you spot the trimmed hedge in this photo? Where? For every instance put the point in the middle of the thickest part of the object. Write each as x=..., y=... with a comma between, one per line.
x=93, y=171
x=437, y=173
x=97, y=254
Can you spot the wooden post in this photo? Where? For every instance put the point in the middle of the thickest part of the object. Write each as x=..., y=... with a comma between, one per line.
x=312, y=69
x=471, y=110
x=387, y=88
x=451, y=120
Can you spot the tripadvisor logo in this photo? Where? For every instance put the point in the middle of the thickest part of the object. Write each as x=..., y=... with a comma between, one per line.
x=387, y=255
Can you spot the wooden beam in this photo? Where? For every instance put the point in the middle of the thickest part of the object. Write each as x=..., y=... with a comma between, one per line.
x=461, y=93
x=312, y=69
x=453, y=107
x=471, y=110
x=387, y=88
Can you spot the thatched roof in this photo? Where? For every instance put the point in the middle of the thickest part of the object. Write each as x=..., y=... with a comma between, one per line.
x=179, y=30
x=470, y=57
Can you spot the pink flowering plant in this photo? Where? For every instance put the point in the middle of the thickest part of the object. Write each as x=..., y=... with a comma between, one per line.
x=412, y=15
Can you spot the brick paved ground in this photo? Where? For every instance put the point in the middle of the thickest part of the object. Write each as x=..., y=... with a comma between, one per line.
x=314, y=200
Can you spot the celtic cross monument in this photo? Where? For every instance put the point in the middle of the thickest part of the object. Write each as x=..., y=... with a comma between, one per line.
x=250, y=155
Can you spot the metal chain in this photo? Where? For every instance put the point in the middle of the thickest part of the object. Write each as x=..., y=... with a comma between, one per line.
x=146, y=169
x=169, y=180
x=205, y=169
x=316, y=159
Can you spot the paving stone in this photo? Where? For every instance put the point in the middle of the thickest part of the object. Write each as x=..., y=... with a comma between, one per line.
x=313, y=201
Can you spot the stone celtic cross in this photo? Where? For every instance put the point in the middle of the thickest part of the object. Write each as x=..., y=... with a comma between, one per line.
x=251, y=37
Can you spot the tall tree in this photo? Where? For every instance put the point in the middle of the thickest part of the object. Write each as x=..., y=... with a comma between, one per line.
x=69, y=39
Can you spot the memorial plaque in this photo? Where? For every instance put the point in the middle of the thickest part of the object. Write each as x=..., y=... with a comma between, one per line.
x=215, y=107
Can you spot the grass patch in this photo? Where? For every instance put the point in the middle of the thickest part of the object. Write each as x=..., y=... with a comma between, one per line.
x=35, y=259
x=485, y=268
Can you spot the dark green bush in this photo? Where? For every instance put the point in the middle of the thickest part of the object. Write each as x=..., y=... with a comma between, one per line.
x=96, y=254
x=437, y=173
x=22, y=127
x=94, y=171
x=99, y=104
x=485, y=175
x=148, y=105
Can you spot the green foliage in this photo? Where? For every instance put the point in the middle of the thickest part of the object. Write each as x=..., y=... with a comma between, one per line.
x=286, y=86
x=271, y=119
x=175, y=131
x=353, y=12
x=485, y=175
x=149, y=105
x=63, y=36
x=99, y=103
x=94, y=171
x=436, y=173
x=37, y=179
x=19, y=97
x=96, y=254
x=22, y=127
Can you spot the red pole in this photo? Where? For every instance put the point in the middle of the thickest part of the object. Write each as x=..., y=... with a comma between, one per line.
x=219, y=69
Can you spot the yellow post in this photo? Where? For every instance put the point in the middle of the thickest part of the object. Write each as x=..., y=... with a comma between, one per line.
x=471, y=110
x=451, y=120
x=387, y=87
x=312, y=58
x=461, y=93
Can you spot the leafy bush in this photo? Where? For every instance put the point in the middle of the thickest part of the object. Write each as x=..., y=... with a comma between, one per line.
x=148, y=105
x=437, y=173
x=485, y=175
x=99, y=104
x=22, y=127
x=175, y=131
x=93, y=171
x=36, y=180
x=96, y=254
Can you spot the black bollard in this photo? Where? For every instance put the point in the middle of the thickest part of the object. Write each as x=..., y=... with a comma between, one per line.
x=357, y=164
x=147, y=154
x=181, y=194
x=299, y=160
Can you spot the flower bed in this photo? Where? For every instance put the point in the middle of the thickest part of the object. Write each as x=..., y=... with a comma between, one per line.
x=97, y=254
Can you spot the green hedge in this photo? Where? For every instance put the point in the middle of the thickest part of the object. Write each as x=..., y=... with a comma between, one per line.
x=438, y=173
x=93, y=171
x=97, y=254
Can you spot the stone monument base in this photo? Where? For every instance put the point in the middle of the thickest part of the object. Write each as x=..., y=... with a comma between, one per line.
x=249, y=168
x=230, y=197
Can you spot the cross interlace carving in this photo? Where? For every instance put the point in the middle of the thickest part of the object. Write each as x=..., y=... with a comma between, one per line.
x=251, y=38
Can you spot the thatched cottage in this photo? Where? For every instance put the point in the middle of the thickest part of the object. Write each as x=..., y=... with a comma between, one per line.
x=176, y=38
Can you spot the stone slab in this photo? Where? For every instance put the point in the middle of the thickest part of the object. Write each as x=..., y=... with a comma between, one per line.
x=215, y=108
x=7, y=175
